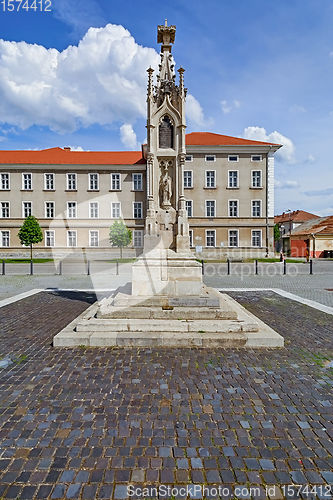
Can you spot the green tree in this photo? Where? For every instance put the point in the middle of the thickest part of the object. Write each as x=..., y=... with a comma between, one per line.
x=277, y=234
x=120, y=235
x=30, y=232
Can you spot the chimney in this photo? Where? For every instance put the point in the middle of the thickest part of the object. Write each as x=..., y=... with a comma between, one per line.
x=67, y=148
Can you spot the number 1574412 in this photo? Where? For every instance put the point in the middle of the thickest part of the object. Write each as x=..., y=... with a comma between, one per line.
x=16, y=5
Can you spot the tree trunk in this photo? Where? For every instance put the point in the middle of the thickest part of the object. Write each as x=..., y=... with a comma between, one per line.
x=30, y=251
x=121, y=252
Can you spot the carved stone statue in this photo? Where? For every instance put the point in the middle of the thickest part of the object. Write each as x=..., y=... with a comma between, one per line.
x=166, y=185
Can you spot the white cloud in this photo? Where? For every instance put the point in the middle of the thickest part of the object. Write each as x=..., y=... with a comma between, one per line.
x=325, y=212
x=310, y=159
x=100, y=81
x=128, y=137
x=79, y=14
x=227, y=108
x=286, y=184
x=194, y=112
x=297, y=109
x=78, y=148
x=286, y=153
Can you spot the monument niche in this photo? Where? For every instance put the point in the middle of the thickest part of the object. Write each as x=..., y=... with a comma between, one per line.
x=167, y=303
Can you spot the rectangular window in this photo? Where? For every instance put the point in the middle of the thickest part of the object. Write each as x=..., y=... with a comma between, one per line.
x=71, y=209
x=4, y=182
x=27, y=182
x=188, y=158
x=115, y=210
x=26, y=209
x=5, y=238
x=189, y=208
x=93, y=184
x=233, y=208
x=191, y=237
x=233, y=238
x=233, y=158
x=49, y=209
x=137, y=210
x=256, y=208
x=71, y=238
x=210, y=238
x=256, y=238
x=210, y=158
x=256, y=157
x=256, y=178
x=49, y=238
x=137, y=182
x=49, y=182
x=188, y=174
x=137, y=239
x=233, y=179
x=4, y=209
x=210, y=178
x=93, y=210
x=115, y=182
x=93, y=238
x=210, y=208
x=71, y=182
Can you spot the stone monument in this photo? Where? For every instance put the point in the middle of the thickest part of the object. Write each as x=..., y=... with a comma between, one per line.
x=167, y=304
x=167, y=267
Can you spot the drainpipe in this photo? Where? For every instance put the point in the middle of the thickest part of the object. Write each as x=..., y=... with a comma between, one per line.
x=314, y=245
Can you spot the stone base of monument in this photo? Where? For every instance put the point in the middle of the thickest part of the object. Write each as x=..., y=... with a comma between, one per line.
x=207, y=320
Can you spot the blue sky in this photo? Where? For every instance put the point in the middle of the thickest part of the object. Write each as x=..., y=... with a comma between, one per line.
x=261, y=69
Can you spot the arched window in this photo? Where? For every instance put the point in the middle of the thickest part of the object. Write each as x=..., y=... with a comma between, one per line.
x=166, y=133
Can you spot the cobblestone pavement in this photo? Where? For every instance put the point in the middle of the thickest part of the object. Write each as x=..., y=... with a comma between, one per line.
x=82, y=423
x=297, y=280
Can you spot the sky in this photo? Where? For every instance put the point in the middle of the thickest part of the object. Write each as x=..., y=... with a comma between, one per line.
x=73, y=73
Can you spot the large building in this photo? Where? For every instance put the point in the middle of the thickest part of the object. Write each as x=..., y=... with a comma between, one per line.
x=227, y=184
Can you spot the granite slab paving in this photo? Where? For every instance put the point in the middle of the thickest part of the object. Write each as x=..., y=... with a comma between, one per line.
x=84, y=423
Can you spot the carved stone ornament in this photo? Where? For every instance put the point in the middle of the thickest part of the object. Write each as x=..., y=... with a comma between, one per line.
x=165, y=184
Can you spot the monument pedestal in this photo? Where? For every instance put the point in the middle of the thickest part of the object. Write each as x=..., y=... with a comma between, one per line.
x=165, y=272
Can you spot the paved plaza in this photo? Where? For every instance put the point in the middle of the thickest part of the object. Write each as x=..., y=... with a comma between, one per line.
x=86, y=423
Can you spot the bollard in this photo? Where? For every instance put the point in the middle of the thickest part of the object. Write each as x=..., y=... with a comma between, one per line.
x=284, y=267
x=256, y=266
x=3, y=268
x=88, y=268
x=60, y=268
x=203, y=267
x=117, y=267
x=31, y=268
x=228, y=266
x=311, y=271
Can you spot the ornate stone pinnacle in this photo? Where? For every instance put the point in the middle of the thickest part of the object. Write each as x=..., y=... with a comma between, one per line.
x=166, y=35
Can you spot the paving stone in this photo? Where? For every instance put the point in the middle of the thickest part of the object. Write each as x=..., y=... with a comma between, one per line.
x=260, y=419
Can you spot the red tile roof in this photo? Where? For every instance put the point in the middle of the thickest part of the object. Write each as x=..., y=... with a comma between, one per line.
x=59, y=156
x=320, y=226
x=295, y=216
x=210, y=139
x=66, y=156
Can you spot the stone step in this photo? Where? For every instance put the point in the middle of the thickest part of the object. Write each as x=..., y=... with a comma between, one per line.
x=176, y=326
x=123, y=300
x=176, y=313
